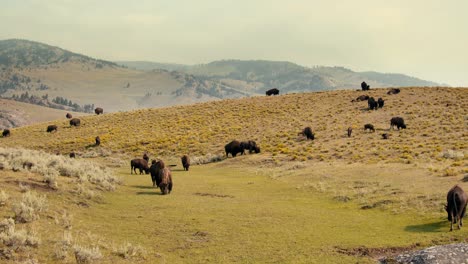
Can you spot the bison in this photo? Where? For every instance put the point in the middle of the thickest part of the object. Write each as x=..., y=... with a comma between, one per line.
x=307, y=132
x=456, y=206
x=185, y=162
x=350, y=130
x=154, y=171
x=361, y=98
x=233, y=148
x=380, y=102
x=6, y=132
x=68, y=116
x=250, y=145
x=257, y=149
x=51, y=128
x=72, y=155
x=370, y=127
x=273, y=91
x=99, y=111
x=161, y=176
x=398, y=122
x=75, y=122
x=372, y=103
x=393, y=91
x=98, y=141
x=385, y=136
x=365, y=86
x=139, y=164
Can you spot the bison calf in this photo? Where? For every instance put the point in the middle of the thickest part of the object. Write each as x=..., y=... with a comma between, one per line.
x=456, y=206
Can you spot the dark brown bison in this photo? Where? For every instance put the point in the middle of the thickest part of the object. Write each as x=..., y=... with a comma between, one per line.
x=72, y=155
x=370, y=127
x=372, y=103
x=185, y=162
x=365, y=86
x=307, y=132
x=68, y=115
x=145, y=157
x=161, y=176
x=75, y=122
x=361, y=98
x=6, y=132
x=273, y=91
x=139, y=164
x=393, y=91
x=398, y=122
x=385, y=136
x=154, y=171
x=456, y=206
x=233, y=148
x=98, y=141
x=51, y=128
x=350, y=130
x=380, y=102
x=248, y=145
x=98, y=111
x=257, y=149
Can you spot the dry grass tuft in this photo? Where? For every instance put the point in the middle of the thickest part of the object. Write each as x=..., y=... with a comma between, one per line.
x=16, y=240
x=84, y=255
x=28, y=209
x=3, y=198
x=130, y=251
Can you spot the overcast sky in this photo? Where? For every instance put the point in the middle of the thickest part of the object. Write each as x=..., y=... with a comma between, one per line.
x=423, y=38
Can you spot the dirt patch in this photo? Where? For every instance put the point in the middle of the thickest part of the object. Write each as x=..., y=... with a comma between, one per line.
x=375, y=253
x=377, y=204
x=214, y=195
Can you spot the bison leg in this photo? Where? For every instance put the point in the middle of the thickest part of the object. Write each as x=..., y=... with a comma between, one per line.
x=451, y=222
x=131, y=170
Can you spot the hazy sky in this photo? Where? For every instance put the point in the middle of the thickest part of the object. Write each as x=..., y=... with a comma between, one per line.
x=423, y=38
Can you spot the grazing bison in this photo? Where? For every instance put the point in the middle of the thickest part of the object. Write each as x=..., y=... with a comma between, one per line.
x=380, y=102
x=154, y=171
x=98, y=111
x=98, y=141
x=139, y=164
x=185, y=162
x=398, y=122
x=68, y=115
x=370, y=127
x=393, y=91
x=385, y=136
x=145, y=157
x=250, y=145
x=6, y=132
x=273, y=91
x=233, y=147
x=456, y=206
x=361, y=98
x=72, y=155
x=51, y=128
x=350, y=130
x=307, y=132
x=166, y=180
x=365, y=86
x=75, y=122
x=372, y=103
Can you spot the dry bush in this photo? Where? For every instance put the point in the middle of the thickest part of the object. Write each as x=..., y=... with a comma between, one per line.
x=84, y=191
x=62, y=247
x=452, y=154
x=208, y=158
x=128, y=251
x=28, y=209
x=85, y=255
x=51, y=166
x=17, y=240
x=3, y=198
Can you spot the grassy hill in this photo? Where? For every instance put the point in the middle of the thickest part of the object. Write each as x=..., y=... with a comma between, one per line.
x=14, y=114
x=332, y=200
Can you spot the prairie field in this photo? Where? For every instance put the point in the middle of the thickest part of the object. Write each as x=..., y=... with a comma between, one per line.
x=331, y=200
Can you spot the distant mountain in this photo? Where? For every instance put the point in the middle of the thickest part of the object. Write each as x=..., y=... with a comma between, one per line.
x=258, y=75
x=149, y=66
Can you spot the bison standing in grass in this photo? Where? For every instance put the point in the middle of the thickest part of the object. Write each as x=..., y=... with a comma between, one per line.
x=99, y=111
x=6, y=132
x=370, y=127
x=273, y=91
x=185, y=162
x=372, y=103
x=75, y=122
x=380, y=102
x=350, y=130
x=140, y=164
x=233, y=148
x=51, y=128
x=72, y=155
x=307, y=132
x=98, y=141
x=68, y=116
x=365, y=86
x=249, y=145
x=398, y=122
x=161, y=176
x=456, y=206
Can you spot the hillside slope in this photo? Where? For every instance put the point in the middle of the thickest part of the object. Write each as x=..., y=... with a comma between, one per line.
x=435, y=118
x=15, y=114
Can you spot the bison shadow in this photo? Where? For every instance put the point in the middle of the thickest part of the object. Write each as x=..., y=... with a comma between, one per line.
x=156, y=192
x=143, y=186
x=441, y=226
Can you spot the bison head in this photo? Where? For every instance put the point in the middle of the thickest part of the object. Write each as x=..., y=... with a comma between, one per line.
x=403, y=126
